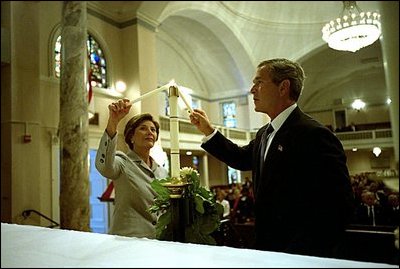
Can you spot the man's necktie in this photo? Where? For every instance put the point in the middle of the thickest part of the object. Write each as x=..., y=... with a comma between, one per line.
x=264, y=140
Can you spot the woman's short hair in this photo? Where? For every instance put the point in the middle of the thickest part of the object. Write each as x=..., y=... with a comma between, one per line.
x=134, y=122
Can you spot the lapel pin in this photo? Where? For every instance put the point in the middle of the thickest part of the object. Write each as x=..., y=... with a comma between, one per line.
x=280, y=148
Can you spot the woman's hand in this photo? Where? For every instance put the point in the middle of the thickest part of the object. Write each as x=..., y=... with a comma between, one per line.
x=116, y=112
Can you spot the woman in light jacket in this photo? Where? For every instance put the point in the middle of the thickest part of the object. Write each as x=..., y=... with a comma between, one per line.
x=131, y=172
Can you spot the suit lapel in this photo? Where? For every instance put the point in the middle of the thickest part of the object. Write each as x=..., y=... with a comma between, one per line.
x=277, y=147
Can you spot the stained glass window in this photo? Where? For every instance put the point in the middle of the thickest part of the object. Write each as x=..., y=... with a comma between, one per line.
x=57, y=57
x=229, y=114
x=96, y=58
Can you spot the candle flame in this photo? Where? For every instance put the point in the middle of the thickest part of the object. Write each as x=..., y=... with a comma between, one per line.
x=172, y=83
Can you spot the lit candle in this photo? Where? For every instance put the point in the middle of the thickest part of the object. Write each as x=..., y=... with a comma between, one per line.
x=185, y=101
x=174, y=130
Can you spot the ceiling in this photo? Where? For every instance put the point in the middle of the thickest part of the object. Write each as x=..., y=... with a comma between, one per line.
x=216, y=46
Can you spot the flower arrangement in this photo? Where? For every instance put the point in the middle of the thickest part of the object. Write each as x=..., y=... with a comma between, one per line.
x=202, y=209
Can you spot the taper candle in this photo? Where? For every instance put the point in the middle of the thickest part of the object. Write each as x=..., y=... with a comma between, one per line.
x=174, y=131
x=185, y=101
x=160, y=89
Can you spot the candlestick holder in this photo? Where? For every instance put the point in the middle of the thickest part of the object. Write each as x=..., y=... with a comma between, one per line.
x=177, y=190
x=173, y=91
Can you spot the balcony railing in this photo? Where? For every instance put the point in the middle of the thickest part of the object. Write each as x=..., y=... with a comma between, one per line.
x=365, y=138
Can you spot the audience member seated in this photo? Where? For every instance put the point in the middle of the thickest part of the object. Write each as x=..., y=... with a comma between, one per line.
x=243, y=210
x=221, y=199
x=232, y=195
x=378, y=189
x=369, y=211
x=249, y=185
x=392, y=210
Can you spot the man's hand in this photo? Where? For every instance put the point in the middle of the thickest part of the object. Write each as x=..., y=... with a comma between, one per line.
x=199, y=119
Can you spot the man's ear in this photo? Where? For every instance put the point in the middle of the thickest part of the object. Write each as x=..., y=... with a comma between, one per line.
x=284, y=87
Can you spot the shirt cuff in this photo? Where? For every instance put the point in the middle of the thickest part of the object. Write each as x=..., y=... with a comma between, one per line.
x=208, y=137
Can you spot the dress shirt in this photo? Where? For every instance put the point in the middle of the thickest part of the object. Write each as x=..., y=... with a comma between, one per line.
x=277, y=123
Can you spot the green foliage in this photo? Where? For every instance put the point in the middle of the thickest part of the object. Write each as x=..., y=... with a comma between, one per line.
x=204, y=211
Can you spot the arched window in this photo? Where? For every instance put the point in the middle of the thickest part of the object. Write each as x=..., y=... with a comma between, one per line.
x=98, y=64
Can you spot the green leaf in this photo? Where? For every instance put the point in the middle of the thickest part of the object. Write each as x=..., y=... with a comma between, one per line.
x=162, y=191
x=205, y=214
x=154, y=208
x=209, y=223
x=195, y=181
x=162, y=223
x=206, y=194
x=199, y=204
x=208, y=239
x=193, y=235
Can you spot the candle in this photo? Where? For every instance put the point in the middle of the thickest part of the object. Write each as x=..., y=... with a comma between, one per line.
x=160, y=89
x=174, y=131
x=185, y=101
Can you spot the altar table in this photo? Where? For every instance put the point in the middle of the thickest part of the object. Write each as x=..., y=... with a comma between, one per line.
x=34, y=246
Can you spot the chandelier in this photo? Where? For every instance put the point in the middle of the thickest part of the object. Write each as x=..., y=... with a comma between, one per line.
x=353, y=29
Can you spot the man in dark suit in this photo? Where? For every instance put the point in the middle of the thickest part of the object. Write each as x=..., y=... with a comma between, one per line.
x=303, y=196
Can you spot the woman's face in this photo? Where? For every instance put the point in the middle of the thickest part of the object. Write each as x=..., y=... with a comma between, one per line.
x=145, y=135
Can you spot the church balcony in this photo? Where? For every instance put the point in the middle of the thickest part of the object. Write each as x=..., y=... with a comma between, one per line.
x=190, y=137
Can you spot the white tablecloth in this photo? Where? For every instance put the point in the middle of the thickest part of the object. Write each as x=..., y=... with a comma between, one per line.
x=33, y=246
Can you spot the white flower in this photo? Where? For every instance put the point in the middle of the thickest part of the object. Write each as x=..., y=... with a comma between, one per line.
x=186, y=173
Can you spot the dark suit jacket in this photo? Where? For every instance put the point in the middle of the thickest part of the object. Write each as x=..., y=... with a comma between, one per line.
x=303, y=198
x=363, y=217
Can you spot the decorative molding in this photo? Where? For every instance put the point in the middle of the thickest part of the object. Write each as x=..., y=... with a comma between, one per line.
x=96, y=13
x=147, y=21
x=107, y=17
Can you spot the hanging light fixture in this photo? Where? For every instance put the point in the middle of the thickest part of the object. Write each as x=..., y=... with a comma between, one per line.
x=353, y=29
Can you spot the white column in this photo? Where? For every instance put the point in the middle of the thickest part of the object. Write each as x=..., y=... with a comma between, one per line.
x=204, y=172
x=174, y=130
x=390, y=52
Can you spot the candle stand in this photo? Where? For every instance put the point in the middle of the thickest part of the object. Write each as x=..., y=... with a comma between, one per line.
x=181, y=208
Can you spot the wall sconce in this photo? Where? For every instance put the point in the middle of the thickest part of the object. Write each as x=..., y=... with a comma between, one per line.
x=377, y=151
x=358, y=104
x=27, y=136
x=120, y=86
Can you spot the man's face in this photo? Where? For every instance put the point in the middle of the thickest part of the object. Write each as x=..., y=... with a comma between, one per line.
x=265, y=92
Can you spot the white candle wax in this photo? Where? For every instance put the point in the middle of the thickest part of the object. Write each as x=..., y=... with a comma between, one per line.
x=160, y=89
x=174, y=134
x=185, y=101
